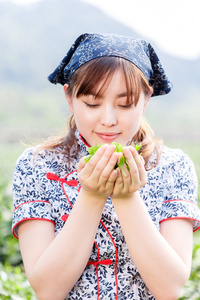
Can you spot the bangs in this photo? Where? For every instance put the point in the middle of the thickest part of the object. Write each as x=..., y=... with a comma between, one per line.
x=94, y=77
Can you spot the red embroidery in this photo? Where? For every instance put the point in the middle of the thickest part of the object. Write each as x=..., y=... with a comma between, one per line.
x=174, y=200
x=64, y=217
x=52, y=176
x=101, y=262
x=115, y=258
x=65, y=181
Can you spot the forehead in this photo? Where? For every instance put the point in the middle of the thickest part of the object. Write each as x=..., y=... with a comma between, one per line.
x=98, y=76
x=114, y=83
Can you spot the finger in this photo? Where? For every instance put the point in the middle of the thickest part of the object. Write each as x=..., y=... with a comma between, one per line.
x=119, y=184
x=81, y=164
x=131, y=158
x=142, y=160
x=107, y=172
x=97, y=164
x=139, y=161
x=105, y=164
x=121, y=163
x=133, y=180
x=111, y=180
x=91, y=164
x=85, y=170
x=126, y=179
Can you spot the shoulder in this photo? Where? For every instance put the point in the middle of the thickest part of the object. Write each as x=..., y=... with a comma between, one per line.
x=35, y=160
x=174, y=165
x=178, y=174
x=175, y=159
x=172, y=154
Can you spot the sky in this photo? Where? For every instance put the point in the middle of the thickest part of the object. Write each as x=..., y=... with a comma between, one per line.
x=174, y=25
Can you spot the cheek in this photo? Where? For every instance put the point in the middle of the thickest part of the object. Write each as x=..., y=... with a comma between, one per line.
x=131, y=123
x=132, y=119
x=84, y=118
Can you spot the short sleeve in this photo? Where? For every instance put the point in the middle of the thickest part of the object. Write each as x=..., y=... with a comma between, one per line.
x=29, y=197
x=180, y=201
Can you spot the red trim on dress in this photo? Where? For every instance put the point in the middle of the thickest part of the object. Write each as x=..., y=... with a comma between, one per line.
x=187, y=218
x=27, y=219
x=99, y=262
x=52, y=176
x=84, y=142
x=180, y=200
x=115, y=258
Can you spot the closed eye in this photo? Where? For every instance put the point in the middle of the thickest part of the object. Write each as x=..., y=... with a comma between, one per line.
x=91, y=105
x=127, y=106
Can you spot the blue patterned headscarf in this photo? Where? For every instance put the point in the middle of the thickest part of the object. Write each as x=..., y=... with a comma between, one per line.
x=89, y=46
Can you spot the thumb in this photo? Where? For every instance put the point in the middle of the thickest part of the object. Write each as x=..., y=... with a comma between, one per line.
x=81, y=164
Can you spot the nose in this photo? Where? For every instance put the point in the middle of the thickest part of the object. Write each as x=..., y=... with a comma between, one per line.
x=108, y=116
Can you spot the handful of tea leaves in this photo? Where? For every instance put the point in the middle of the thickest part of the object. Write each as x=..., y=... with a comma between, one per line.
x=118, y=148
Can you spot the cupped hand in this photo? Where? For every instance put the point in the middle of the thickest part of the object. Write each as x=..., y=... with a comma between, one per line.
x=132, y=178
x=98, y=176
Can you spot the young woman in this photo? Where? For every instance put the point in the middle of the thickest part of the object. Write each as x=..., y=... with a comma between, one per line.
x=111, y=233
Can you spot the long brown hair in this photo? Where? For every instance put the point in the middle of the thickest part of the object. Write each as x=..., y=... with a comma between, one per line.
x=85, y=81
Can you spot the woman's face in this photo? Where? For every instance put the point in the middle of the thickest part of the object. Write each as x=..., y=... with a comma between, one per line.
x=108, y=118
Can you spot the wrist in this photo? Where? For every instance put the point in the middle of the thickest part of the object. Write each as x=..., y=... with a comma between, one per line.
x=93, y=198
x=128, y=197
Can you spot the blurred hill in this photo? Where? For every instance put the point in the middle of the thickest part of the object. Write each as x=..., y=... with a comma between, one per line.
x=33, y=40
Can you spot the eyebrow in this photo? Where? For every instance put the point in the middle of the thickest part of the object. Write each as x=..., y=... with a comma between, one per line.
x=121, y=95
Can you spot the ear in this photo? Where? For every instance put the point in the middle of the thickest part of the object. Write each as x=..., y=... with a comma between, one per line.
x=147, y=98
x=68, y=97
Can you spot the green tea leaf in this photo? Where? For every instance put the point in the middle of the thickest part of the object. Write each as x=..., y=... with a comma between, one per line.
x=121, y=162
x=118, y=148
x=87, y=158
x=92, y=150
x=137, y=147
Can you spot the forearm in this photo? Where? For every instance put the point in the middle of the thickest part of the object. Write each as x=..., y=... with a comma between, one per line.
x=62, y=263
x=60, y=266
x=160, y=266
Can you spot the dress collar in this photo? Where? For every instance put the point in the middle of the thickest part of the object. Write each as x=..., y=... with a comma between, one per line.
x=82, y=144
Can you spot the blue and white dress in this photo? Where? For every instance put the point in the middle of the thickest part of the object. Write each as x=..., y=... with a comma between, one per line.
x=45, y=188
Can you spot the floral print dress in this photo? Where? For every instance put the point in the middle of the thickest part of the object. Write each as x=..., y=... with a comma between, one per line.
x=45, y=188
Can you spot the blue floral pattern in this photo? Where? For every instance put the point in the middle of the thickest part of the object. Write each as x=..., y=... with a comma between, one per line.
x=42, y=189
x=89, y=46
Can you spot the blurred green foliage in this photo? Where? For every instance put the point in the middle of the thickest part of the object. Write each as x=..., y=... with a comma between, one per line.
x=14, y=284
x=191, y=290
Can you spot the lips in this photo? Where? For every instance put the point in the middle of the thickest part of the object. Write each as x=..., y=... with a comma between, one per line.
x=108, y=136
